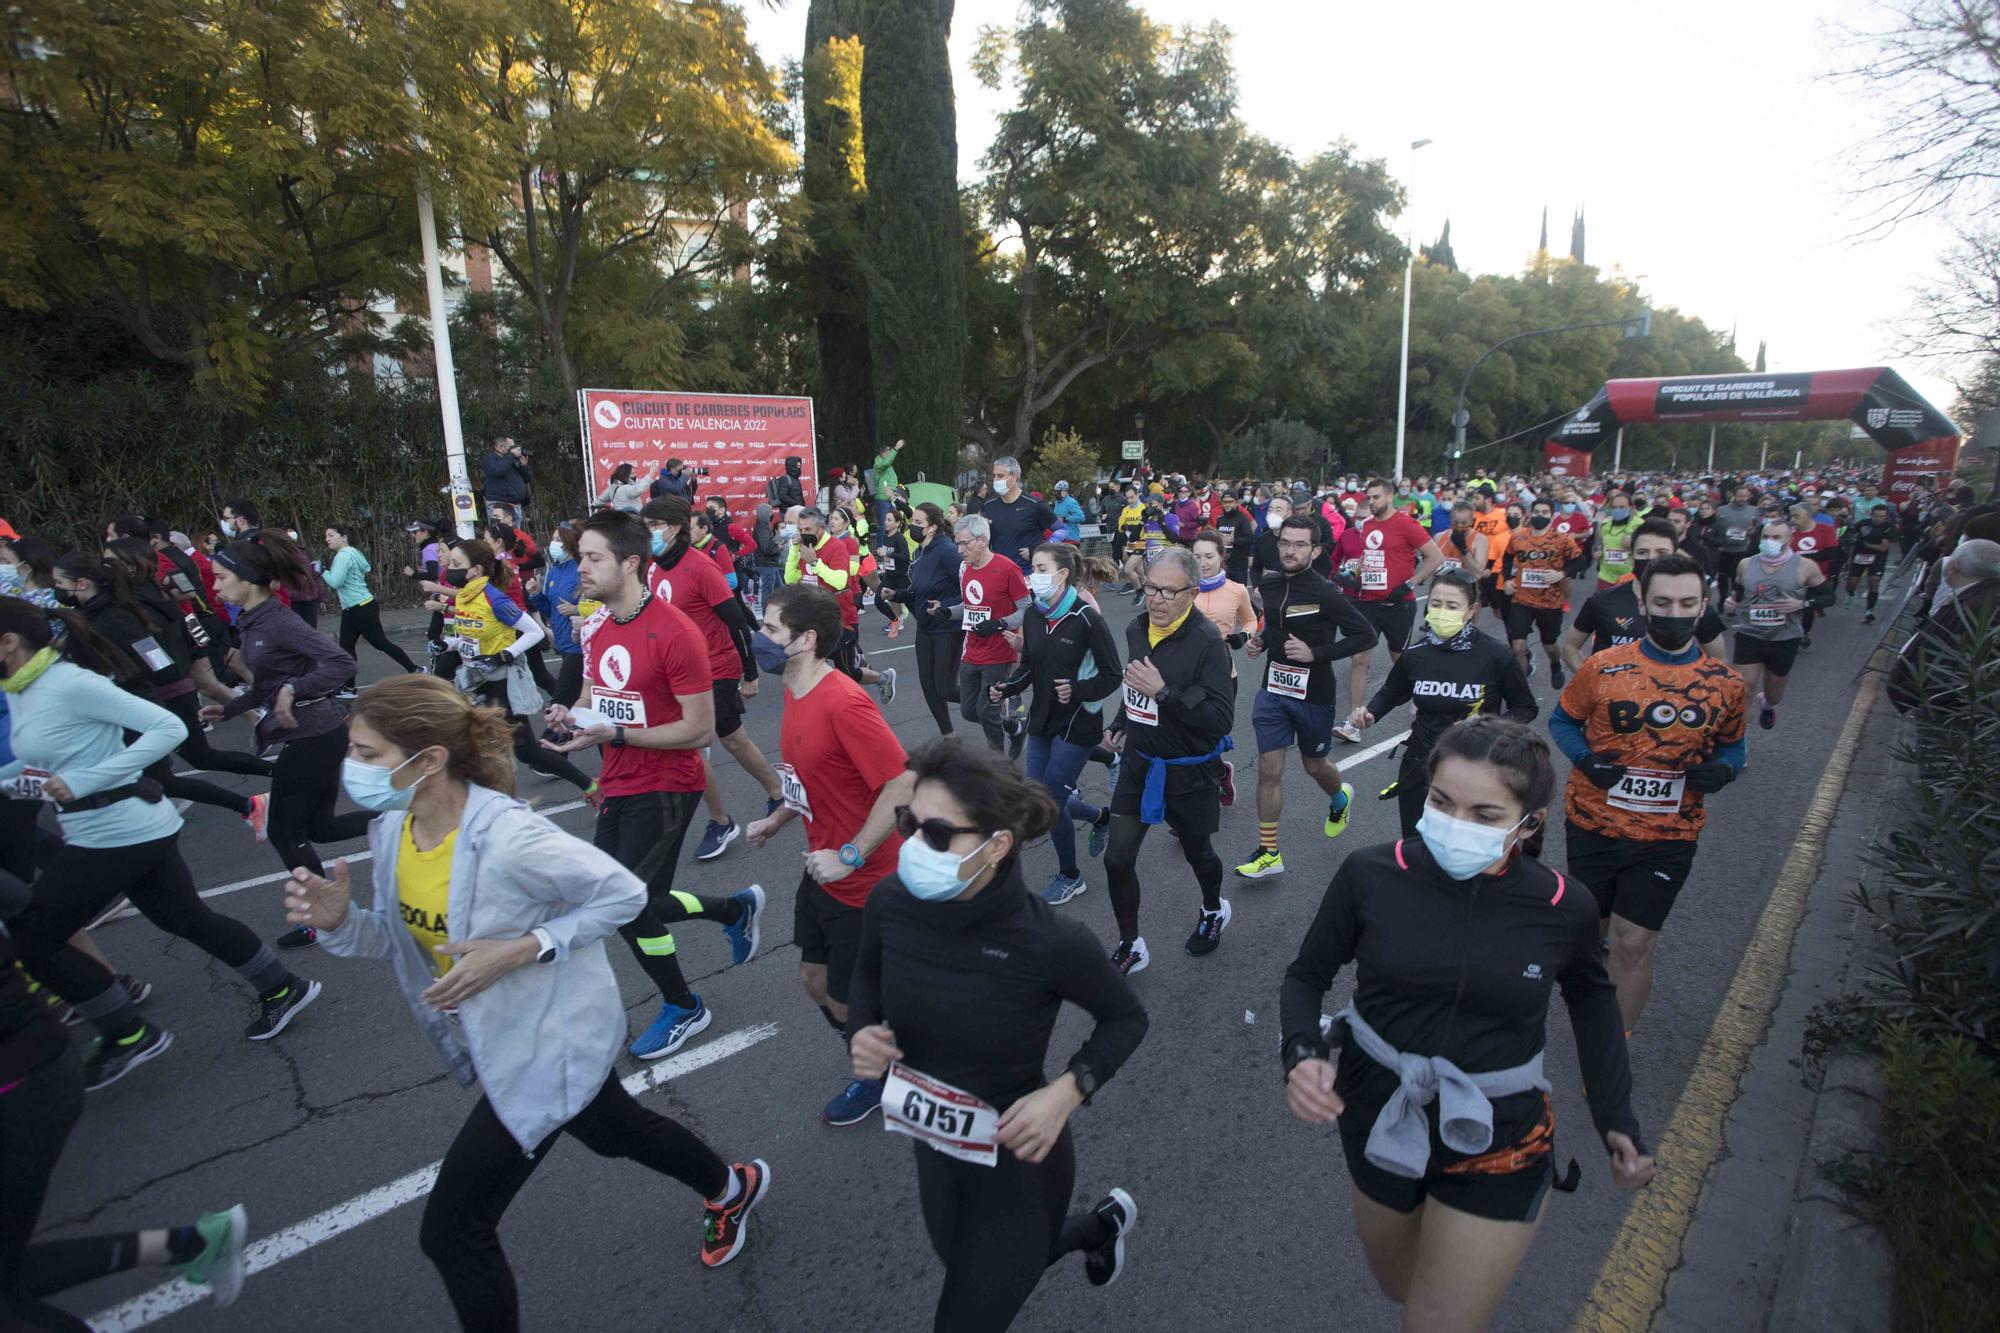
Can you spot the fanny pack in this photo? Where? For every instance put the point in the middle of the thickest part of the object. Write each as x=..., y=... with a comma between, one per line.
x=145, y=789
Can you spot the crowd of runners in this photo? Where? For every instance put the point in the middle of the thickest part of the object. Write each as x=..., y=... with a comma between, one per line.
x=615, y=649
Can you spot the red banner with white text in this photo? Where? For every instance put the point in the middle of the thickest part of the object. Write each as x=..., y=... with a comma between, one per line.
x=1565, y=462
x=732, y=443
x=1932, y=460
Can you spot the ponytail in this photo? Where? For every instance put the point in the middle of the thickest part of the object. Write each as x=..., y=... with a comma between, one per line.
x=79, y=643
x=421, y=712
x=111, y=577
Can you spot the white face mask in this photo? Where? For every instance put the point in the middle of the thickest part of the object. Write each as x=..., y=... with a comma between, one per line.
x=1460, y=847
x=1043, y=586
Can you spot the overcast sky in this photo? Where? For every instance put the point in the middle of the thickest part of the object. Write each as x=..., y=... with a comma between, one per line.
x=1699, y=138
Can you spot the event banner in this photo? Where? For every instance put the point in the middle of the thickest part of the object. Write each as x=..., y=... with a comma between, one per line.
x=1904, y=468
x=1563, y=462
x=733, y=443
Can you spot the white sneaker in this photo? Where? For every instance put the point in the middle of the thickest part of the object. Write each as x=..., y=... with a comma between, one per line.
x=1130, y=956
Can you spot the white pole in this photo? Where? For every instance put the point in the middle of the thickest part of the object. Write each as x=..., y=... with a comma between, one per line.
x=1763, y=455
x=1711, y=448
x=1618, y=452
x=1403, y=369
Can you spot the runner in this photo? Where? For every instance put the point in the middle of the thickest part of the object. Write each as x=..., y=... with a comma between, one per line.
x=1447, y=1206
x=653, y=706
x=1772, y=588
x=933, y=592
x=1489, y=520
x=1179, y=704
x=1650, y=728
x=1017, y=521
x=1538, y=561
x=1611, y=618
x=68, y=725
x=993, y=599
x=817, y=559
x=510, y=981
x=844, y=772
x=557, y=600
x=1734, y=536
x=1070, y=659
x=360, y=614
x=1453, y=672
x=894, y=549
x=996, y=1161
x=1390, y=554
x=1868, y=551
x=1308, y=626
x=1462, y=546
x=1816, y=538
x=1613, y=538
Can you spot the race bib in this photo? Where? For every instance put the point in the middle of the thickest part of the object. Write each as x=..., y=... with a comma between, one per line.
x=32, y=785
x=1288, y=681
x=1737, y=536
x=977, y=615
x=1617, y=555
x=1142, y=707
x=621, y=708
x=150, y=652
x=1766, y=615
x=1647, y=791
x=951, y=1120
x=1374, y=579
x=464, y=647
x=1446, y=564
x=1864, y=557
x=887, y=564
x=792, y=791
x=1540, y=578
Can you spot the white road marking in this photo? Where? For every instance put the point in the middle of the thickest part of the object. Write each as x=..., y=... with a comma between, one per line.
x=1347, y=761
x=294, y=1240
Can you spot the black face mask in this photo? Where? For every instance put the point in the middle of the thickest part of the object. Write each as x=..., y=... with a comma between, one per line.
x=1672, y=633
x=458, y=578
x=1539, y=521
x=67, y=598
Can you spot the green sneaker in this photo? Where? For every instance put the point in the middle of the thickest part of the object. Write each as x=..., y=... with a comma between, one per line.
x=1337, y=816
x=1261, y=865
x=219, y=1266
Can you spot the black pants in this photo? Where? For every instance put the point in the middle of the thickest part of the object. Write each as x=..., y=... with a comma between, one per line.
x=527, y=749
x=937, y=673
x=307, y=611
x=644, y=832
x=486, y=1168
x=365, y=622
x=183, y=787
x=569, y=680
x=1413, y=789
x=1725, y=572
x=1121, y=870
x=997, y=1228
x=196, y=749
x=305, y=783
x=36, y=1117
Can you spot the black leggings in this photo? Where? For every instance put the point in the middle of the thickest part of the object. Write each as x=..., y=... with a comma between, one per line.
x=527, y=749
x=305, y=783
x=644, y=832
x=486, y=1168
x=1121, y=870
x=197, y=751
x=365, y=622
x=997, y=1228
x=1413, y=788
x=569, y=680
x=36, y=1117
x=937, y=673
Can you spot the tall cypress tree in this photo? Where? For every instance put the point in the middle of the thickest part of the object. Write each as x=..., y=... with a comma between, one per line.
x=837, y=192
x=914, y=233
x=1576, y=237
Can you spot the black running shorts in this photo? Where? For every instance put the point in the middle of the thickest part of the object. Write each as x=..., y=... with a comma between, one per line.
x=1637, y=879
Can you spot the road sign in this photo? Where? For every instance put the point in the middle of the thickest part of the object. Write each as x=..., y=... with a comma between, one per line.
x=1134, y=449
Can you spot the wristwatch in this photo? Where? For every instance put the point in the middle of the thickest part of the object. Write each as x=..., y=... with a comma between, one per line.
x=1166, y=693
x=1086, y=1080
x=547, y=954
x=851, y=856
x=617, y=736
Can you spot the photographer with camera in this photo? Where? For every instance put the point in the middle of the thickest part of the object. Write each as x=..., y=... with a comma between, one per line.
x=676, y=478
x=506, y=474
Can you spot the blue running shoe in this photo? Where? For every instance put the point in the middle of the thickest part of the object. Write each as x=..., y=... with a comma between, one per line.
x=671, y=1030
x=1100, y=833
x=862, y=1099
x=716, y=840
x=1062, y=888
x=745, y=934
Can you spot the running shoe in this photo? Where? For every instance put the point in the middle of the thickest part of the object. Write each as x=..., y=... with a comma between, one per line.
x=219, y=1266
x=1118, y=1212
x=1345, y=731
x=747, y=933
x=140, y=991
x=298, y=937
x=1868, y=619
x=1530, y=671
x=1849, y=603
x=1388, y=793
x=1208, y=930
x=279, y=1010
x=1228, y=783
x=259, y=818
x=724, y=1226
x=110, y=1061
x=1130, y=956
x=1805, y=642
x=1014, y=726
x=1555, y=676
x=1338, y=812
x=1062, y=888
x=1767, y=713
x=892, y=629
x=1100, y=834
x=1117, y=767
x=345, y=694
x=862, y=1099
x=887, y=685
x=1262, y=864
x=671, y=1030
x=716, y=840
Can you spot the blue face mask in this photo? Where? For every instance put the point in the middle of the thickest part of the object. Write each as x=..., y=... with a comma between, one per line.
x=372, y=787
x=930, y=874
x=771, y=655
x=10, y=578
x=1460, y=847
x=558, y=552
x=1621, y=513
x=1569, y=507
x=659, y=542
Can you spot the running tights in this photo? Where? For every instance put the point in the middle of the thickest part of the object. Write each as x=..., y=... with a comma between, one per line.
x=305, y=784
x=529, y=751
x=997, y=1228
x=644, y=832
x=36, y=1117
x=569, y=680
x=197, y=751
x=937, y=673
x=486, y=1168
x=365, y=622
x=1121, y=870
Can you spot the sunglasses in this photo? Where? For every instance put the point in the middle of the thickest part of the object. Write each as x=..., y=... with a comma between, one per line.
x=937, y=833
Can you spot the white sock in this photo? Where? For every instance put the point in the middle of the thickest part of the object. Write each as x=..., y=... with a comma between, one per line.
x=729, y=1195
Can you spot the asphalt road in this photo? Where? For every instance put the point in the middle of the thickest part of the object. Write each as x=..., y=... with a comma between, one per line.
x=1244, y=1212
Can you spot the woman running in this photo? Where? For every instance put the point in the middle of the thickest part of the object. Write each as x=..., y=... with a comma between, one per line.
x=933, y=591
x=297, y=672
x=995, y=1159
x=1071, y=660
x=1461, y=940
x=894, y=550
x=360, y=613
x=555, y=600
x=1453, y=672
x=521, y=903
x=1219, y=597
x=33, y=562
x=68, y=725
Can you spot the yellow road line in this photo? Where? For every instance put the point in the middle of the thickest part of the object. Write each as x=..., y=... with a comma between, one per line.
x=1632, y=1284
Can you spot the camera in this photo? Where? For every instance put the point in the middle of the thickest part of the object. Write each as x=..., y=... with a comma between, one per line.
x=699, y=471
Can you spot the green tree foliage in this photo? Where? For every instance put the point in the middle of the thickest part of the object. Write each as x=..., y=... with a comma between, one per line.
x=915, y=245
x=1064, y=455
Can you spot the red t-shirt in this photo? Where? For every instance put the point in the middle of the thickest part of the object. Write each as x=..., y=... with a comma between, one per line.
x=1386, y=552
x=721, y=557
x=993, y=591
x=836, y=553
x=695, y=589
x=839, y=748
x=635, y=670
x=1574, y=526
x=1819, y=543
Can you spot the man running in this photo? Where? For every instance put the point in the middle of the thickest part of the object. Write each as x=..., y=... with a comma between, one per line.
x=1018, y=519
x=1613, y=538
x=1868, y=551
x=1462, y=546
x=994, y=599
x=1308, y=626
x=646, y=675
x=1392, y=554
x=1650, y=728
x=844, y=771
x=1773, y=589
x=1611, y=618
x=818, y=559
x=1732, y=534
x=1489, y=520
x=1538, y=561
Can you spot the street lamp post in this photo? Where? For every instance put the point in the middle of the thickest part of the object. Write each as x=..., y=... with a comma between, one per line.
x=1641, y=327
x=1403, y=365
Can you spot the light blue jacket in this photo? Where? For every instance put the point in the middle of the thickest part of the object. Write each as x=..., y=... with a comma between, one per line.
x=348, y=577
x=542, y=1039
x=71, y=723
